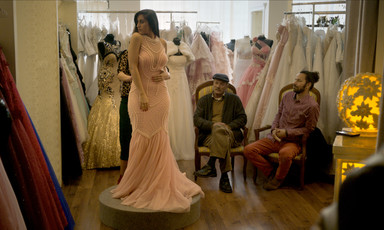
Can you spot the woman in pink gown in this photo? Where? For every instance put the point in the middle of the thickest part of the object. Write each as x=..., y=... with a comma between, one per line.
x=260, y=52
x=152, y=179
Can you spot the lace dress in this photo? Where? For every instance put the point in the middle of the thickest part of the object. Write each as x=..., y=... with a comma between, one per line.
x=102, y=149
x=153, y=179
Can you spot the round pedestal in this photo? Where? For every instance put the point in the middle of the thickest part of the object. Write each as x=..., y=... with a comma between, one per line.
x=121, y=217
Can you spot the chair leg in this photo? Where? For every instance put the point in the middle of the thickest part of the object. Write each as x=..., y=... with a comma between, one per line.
x=245, y=168
x=197, y=162
x=254, y=174
x=302, y=170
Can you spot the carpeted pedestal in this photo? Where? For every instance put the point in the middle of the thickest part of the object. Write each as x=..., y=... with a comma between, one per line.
x=122, y=217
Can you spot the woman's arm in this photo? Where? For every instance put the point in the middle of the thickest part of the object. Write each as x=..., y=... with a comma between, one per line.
x=124, y=77
x=164, y=75
x=133, y=58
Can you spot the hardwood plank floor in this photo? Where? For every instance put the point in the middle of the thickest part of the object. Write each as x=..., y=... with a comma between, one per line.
x=248, y=207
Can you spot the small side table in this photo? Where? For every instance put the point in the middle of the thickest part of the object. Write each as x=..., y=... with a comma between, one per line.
x=350, y=153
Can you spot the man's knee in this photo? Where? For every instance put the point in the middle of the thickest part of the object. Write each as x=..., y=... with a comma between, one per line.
x=251, y=149
x=287, y=154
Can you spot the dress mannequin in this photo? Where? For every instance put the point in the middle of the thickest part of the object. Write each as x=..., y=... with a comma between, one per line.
x=231, y=45
x=102, y=148
x=176, y=41
x=260, y=50
x=242, y=58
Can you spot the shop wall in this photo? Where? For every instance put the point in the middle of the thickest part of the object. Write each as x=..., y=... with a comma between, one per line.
x=275, y=11
x=37, y=71
x=68, y=17
x=7, y=33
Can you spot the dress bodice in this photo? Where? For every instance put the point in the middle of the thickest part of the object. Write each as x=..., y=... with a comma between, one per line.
x=243, y=48
x=152, y=60
x=107, y=79
x=177, y=64
x=260, y=55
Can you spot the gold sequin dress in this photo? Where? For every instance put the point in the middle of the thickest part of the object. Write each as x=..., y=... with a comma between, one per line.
x=102, y=148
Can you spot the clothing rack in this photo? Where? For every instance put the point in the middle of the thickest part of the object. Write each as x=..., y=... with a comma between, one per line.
x=198, y=23
x=134, y=12
x=313, y=12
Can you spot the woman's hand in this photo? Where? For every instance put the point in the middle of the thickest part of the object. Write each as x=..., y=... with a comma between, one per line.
x=163, y=76
x=144, y=104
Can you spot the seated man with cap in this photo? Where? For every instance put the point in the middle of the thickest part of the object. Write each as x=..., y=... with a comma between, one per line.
x=219, y=117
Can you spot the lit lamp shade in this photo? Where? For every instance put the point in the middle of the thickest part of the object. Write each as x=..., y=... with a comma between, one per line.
x=358, y=103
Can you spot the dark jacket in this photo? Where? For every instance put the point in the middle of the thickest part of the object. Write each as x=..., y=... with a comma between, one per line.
x=233, y=115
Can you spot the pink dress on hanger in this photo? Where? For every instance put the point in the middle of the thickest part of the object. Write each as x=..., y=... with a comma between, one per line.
x=251, y=74
x=152, y=179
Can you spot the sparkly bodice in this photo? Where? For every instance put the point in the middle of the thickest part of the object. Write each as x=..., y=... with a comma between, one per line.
x=109, y=84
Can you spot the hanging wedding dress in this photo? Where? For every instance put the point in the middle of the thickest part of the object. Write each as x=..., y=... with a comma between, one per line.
x=262, y=91
x=219, y=52
x=251, y=74
x=293, y=63
x=242, y=58
x=332, y=84
x=266, y=110
x=318, y=67
x=102, y=149
x=180, y=126
x=201, y=69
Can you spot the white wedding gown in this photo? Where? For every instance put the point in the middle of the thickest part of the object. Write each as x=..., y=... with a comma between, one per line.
x=180, y=126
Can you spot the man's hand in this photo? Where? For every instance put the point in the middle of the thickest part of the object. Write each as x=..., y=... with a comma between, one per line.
x=274, y=135
x=279, y=134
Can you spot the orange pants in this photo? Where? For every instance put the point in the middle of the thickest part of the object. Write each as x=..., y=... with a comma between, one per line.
x=287, y=151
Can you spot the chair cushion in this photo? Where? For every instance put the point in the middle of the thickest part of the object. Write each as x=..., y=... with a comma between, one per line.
x=203, y=149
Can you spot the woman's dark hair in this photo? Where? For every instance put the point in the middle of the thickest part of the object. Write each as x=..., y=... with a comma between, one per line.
x=311, y=77
x=151, y=17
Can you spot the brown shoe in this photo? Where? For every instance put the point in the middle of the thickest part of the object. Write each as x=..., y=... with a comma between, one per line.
x=262, y=179
x=272, y=184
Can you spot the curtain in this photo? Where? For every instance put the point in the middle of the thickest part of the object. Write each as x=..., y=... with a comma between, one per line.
x=361, y=34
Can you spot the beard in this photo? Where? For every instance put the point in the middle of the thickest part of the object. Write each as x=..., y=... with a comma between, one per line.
x=298, y=89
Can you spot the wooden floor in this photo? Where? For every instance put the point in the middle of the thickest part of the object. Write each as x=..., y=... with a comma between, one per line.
x=248, y=207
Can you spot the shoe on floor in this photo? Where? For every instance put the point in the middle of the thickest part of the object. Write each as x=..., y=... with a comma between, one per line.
x=206, y=171
x=262, y=179
x=225, y=185
x=272, y=184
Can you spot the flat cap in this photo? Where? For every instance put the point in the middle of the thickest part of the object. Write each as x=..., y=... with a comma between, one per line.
x=221, y=77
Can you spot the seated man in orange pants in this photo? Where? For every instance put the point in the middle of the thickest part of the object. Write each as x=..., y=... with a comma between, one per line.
x=297, y=116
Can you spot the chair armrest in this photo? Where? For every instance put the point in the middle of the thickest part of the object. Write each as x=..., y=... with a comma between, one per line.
x=259, y=130
x=245, y=134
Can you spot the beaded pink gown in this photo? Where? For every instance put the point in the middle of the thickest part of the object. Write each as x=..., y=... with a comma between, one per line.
x=152, y=179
